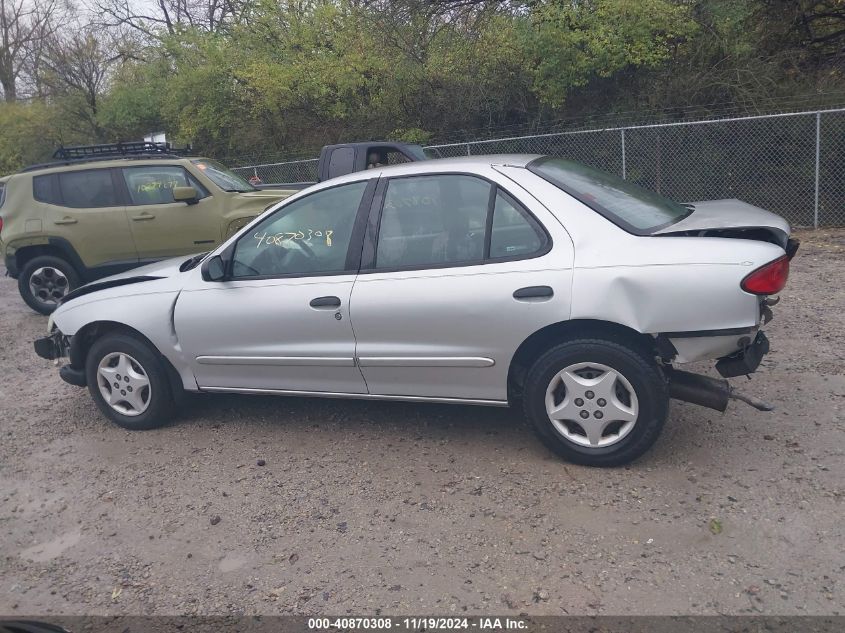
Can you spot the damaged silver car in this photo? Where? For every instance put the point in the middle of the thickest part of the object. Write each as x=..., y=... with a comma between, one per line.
x=517, y=280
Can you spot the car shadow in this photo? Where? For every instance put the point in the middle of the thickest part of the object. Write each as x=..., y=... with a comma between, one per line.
x=480, y=429
x=300, y=412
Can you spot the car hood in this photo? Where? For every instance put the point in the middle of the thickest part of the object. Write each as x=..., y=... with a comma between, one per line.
x=151, y=272
x=716, y=215
x=267, y=194
x=163, y=268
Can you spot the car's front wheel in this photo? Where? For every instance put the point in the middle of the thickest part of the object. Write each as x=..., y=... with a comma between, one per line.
x=43, y=282
x=128, y=381
x=596, y=402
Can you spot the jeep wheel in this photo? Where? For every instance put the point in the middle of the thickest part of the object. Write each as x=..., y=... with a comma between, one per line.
x=596, y=402
x=44, y=281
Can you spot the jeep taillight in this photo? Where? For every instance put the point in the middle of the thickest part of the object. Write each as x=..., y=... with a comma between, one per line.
x=768, y=279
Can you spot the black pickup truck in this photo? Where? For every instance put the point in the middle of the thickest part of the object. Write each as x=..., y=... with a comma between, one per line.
x=345, y=158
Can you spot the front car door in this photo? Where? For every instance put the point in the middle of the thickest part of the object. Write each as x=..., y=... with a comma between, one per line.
x=457, y=271
x=280, y=322
x=161, y=226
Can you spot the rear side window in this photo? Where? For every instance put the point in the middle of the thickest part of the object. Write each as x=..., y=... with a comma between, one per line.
x=453, y=219
x=513, y=232
x=433, y=220
x=46, y=189
x=383, y=156
x=87, y=189
x=627, y=205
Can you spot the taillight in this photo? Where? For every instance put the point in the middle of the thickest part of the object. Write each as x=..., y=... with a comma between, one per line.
x=1, y=222
x=768, y=279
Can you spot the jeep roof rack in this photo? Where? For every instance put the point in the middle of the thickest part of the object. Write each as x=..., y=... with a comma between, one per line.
x=131, y=148
x=109, y=151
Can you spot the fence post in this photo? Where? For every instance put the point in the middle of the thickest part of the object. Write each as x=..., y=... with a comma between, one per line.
x=818, y=154
x=468, y=149
x=624, y=170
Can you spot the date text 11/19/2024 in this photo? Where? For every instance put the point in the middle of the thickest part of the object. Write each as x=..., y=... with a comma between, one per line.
x=406, y=623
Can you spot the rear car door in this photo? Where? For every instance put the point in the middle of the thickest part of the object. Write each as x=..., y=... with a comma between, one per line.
x=456, y=273
x=85, y=209
x=280, y=321
x=162, y=227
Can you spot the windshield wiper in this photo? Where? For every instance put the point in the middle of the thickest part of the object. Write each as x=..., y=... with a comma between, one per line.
x=188, y=264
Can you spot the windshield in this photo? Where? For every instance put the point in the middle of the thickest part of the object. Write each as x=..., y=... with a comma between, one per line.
x=221, y=176
x=630, y=206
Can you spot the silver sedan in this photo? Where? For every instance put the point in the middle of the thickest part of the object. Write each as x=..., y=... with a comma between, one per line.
x=497, y=280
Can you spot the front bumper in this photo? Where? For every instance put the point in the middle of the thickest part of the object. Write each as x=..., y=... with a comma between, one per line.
x=57, y=346
x=52, y=347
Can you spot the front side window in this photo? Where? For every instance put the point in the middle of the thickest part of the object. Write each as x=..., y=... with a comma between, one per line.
x=628, y=205
x=308, y=236
x=222, y=176
x=433, y=221
x=88, y=189
x=154, y=184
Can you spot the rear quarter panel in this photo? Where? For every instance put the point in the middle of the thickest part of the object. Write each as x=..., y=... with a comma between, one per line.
x=652, y=284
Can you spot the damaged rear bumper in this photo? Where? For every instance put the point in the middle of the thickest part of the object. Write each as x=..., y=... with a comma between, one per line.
x=745, y=361
x=715, y=393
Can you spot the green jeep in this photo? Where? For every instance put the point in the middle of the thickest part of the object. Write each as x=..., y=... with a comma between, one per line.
x=99, y=210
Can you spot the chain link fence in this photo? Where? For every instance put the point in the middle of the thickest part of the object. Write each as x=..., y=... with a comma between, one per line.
x=792, y=164
x=292, y=171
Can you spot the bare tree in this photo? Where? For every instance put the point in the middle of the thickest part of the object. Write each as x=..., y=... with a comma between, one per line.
x=169, y=16
x=75, y=69
x=23, y=27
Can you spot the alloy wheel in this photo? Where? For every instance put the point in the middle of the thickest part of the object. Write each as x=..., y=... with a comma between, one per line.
x=48, y=284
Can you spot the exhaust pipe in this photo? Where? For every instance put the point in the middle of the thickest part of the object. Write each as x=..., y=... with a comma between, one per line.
x=713, y=393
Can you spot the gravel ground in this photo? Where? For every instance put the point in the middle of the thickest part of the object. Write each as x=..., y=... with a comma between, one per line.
x=410, y=509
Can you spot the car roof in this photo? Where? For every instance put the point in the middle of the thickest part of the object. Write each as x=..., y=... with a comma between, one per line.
x=104, y=163
x=434, y=165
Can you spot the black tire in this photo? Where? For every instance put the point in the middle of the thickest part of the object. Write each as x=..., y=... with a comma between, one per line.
x=55, y=284
x=159, y=399
x=642, y=373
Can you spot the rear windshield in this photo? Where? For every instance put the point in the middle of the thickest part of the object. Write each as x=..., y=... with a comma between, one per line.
x=2, y=193
x=631, y=207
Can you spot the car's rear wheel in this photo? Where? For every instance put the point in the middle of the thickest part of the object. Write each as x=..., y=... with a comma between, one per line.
x=596, y=402
x=43, y=282
x=128, y=381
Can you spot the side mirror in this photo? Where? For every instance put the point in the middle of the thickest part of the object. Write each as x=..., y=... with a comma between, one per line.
x=186, y=194
x=214, y=269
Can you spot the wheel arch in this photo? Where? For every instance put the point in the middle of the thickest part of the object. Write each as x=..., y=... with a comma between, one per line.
x=55, y=247
x=85, y=337
x=538, y=342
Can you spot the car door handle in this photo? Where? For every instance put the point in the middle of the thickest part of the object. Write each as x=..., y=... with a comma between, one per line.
x=143, y=216
x=533, y=292
x=325, y=302
x=66, y=220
